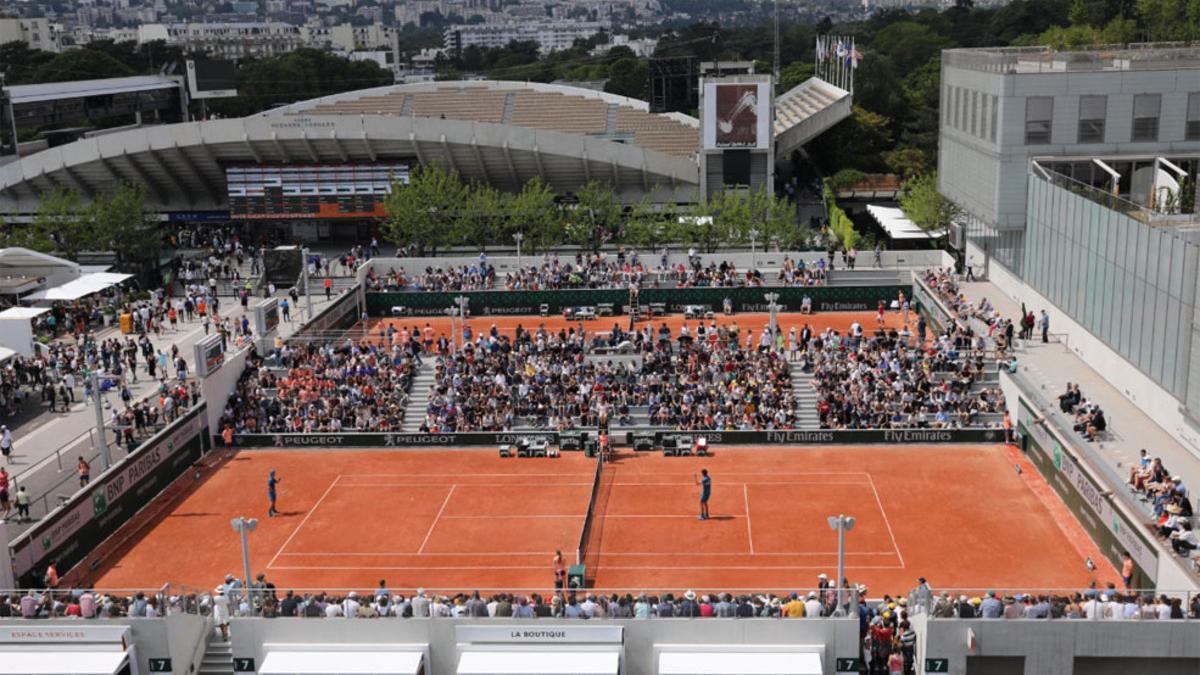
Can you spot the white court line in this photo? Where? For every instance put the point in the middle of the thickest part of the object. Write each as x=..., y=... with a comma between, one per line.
x=606, y=567
x=749, y=529
x=340, y=554
x=633, y=484
x=304, y=520
x=886, y=522
x=436, y=519
x=462, y=474
x=689, y=516
x=514, y=517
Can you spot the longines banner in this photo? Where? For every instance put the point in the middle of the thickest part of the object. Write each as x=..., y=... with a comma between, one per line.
x=792, y=437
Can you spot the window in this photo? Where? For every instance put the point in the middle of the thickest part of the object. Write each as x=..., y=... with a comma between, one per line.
x=995, y=113
x=1092, y=111
x=974, y=111
x=1145, y=117
x=1039, y=111
x=1193, y=117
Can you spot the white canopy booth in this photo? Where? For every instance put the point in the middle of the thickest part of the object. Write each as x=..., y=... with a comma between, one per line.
x=897, y=225
x=539, y=650
x=78, y=288
x=74, y=649
x=345, y=659
x=708, y=659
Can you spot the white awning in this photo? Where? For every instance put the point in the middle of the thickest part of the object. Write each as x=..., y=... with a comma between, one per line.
x=81, y=287
x=897, y=225
x=21, y=662
x=281, y=662
x=739, y=663
x=23, y=312
x=546, y=662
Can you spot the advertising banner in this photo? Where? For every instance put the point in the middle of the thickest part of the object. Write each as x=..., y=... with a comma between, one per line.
x=737, y=115
x=70, y=532
x=1089, y=501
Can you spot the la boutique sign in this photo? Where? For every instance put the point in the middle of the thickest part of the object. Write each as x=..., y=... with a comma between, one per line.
x=540, y=634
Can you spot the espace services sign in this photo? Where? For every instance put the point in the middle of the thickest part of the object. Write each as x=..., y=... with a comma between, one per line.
x=535, y=634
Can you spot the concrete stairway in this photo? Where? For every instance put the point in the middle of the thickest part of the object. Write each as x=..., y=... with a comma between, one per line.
x=218, y=657
x=418, y=396
x=806, y=399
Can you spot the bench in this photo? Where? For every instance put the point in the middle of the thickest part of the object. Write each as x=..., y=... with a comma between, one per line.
x=604, y=309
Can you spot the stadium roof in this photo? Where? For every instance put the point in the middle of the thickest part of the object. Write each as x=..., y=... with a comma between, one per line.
x=183, y=165
x=57, y=91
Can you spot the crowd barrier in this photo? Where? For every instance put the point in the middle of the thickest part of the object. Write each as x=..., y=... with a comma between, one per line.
x=68, y=533
x=744, y=299
x=788, y=437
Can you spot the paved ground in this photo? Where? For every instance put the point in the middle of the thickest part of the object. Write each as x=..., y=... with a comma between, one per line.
x=1050, y=366
x=48, y=445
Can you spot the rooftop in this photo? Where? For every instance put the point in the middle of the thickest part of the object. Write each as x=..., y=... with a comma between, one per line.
x=54, y=91
x=1022, y=60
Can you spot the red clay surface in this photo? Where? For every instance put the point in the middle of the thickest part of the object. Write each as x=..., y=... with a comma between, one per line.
x=839, y=321
x=463, y=519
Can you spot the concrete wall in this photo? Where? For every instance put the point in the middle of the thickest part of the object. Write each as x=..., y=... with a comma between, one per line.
x=217, y=387
x=837, y=638
x=1050, y=647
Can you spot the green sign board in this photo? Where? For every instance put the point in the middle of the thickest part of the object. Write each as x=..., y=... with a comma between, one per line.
x=243, y=665
x=937, y=665
x=160, y=665
x=849, y=665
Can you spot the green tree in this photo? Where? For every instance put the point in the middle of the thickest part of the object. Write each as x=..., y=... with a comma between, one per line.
x=857, y=141
x=924, y=205
x=795, y=73
x=19, y=61
x=906, y=162
x=645, y=226
x=483, y=214
x=628, y=77
x=121, y=223
x=423, y=213
x=535, y=215
x=596, y=216
x=80, y=64
x=55, y=226
x=1079, y=15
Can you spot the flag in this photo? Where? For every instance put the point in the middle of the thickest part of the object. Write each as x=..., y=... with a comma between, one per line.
x=841, y=49
x=855, y=55
x=817, y=55
x=822, y=51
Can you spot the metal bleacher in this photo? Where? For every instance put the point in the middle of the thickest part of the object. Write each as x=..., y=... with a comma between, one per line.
x=806, y=111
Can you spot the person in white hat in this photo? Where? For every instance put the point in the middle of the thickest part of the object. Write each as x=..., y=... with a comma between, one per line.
x=220, y=612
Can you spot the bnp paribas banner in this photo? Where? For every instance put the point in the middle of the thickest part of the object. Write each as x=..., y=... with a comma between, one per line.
x=93, y=514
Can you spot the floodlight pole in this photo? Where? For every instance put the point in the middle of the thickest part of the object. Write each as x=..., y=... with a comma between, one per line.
x=841, y=524
x=773, y=308
x=304, y=272
x=101, y=442
x=244, y=526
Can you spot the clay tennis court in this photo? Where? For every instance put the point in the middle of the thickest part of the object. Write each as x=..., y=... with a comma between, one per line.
x=466, y=519
x=839, y=321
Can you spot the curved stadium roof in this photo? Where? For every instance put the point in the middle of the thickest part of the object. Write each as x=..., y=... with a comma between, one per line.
x=502, y=133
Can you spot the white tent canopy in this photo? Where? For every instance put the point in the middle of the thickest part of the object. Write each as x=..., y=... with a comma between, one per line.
x=897, y=225
x=79, y=288
x=23, y=312
x=545, y=662
x=348, y=662
x=739, y=663
x=60, y=662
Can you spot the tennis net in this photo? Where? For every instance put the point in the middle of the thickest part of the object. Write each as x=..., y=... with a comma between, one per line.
x=586, y=534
